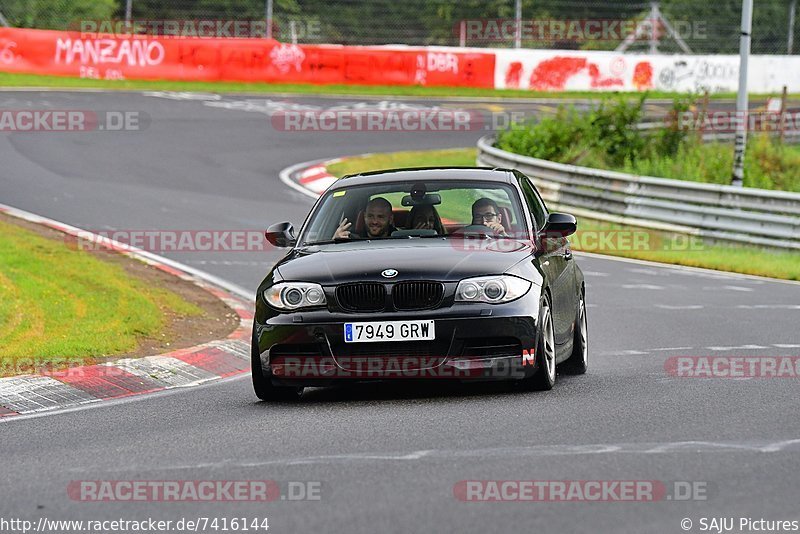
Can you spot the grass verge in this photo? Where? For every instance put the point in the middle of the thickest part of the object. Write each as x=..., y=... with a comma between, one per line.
x=35, y=80
x=59, y=304
x=609, y=238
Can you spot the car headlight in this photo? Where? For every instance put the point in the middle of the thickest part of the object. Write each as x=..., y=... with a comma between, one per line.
x=491, y=289
x=294, y=295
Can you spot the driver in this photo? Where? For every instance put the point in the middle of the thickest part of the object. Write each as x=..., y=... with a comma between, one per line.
x=378, y=221
x=486, y=212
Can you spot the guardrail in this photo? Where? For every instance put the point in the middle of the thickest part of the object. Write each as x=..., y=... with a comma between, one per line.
x=716, y=212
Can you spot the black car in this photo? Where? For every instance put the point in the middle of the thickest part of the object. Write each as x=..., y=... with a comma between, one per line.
x=453, y=273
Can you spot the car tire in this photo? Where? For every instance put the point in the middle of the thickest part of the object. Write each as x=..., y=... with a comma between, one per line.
x=263, y=388
x=545, y=377
x=578, y=362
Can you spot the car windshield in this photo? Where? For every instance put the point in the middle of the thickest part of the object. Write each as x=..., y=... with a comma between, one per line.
x=403, y=210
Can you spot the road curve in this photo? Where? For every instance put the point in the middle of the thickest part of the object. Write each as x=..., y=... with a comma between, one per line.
x=388, y=458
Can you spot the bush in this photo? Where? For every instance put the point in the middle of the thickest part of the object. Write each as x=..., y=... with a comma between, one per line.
x=607, y=137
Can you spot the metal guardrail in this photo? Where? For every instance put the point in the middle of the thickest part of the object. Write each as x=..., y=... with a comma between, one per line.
x=716, y=212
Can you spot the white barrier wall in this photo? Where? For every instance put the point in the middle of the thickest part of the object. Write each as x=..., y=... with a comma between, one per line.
x=553, y=70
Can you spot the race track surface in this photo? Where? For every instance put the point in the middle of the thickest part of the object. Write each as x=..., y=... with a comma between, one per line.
x=388, y=457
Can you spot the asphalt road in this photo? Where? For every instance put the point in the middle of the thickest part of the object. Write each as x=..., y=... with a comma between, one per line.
x=388, y=457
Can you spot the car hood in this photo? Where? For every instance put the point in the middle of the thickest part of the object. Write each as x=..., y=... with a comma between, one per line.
x=432, y=259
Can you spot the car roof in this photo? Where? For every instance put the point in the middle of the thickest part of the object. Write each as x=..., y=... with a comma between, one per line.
x=483, y=174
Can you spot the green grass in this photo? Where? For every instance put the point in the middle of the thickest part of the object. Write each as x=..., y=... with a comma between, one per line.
x=59, y=304
x=768, y=164
x=608, y=238
x=412, y=158
x=685, y=250
x=35, y=80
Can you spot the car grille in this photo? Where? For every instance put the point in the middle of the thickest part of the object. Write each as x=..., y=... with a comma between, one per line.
x=417, y=295
x=361, y=297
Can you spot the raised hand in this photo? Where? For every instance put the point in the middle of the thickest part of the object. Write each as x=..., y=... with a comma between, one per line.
x=342, y=231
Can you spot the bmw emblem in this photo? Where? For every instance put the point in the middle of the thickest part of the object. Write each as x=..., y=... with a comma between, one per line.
x=389, y=273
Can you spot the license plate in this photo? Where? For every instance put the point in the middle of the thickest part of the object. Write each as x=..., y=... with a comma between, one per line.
x=389, y=331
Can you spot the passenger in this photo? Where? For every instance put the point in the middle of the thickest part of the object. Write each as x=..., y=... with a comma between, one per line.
x=378, y=221
x=425, y=217
x=486, y=212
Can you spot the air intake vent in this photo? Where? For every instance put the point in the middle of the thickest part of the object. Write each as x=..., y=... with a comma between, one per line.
x=417, y=295
x=368, y=297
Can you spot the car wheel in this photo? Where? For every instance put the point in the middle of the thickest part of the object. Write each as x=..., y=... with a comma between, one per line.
x=263, y=387
x=578, y=362
x=545, y=377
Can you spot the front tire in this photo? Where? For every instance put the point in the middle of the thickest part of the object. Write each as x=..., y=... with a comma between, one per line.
x=578, y=362
x=545, y=377
x=263, y=388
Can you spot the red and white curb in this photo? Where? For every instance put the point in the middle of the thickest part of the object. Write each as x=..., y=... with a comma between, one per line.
x=77, y=386
x=310, y=178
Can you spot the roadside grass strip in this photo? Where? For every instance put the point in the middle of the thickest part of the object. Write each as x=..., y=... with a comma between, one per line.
x=63, y=82
x=58, y=303
x=64, y=307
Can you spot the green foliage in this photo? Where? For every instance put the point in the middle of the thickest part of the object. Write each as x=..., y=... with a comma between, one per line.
x=614, y=129
x=608, y=137
x=557, y=138
x=610, y=130
x=56, y=14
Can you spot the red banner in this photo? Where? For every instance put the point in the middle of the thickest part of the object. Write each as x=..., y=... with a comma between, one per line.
x=251, y=60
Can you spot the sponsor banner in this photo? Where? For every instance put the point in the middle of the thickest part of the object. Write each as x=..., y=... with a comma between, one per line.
x=564, y=70
x=209, y=58
x=115, y=56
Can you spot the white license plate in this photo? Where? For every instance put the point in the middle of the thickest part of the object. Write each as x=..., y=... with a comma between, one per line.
x=389, y=331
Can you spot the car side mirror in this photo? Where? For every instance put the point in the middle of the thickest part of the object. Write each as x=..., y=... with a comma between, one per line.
x=559, y=225
x=281, y=235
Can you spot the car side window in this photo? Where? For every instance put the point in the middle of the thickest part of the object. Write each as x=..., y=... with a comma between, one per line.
x=533, y=201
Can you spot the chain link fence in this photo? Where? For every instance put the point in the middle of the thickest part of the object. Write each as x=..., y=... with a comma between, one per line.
x=668, y=26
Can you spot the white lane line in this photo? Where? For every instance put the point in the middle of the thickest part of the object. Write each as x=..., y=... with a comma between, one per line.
x=635, y=352
x=624, y=353
x=686, y=307
x=786, y=345
x=727, y=288
x=768, y=306
x=642, y=286
x=696, y=446
x=650, y=272
x=595, y=273
x=740, y=347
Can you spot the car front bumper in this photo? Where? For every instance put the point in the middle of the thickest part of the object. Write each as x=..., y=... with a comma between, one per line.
x=473, y=342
